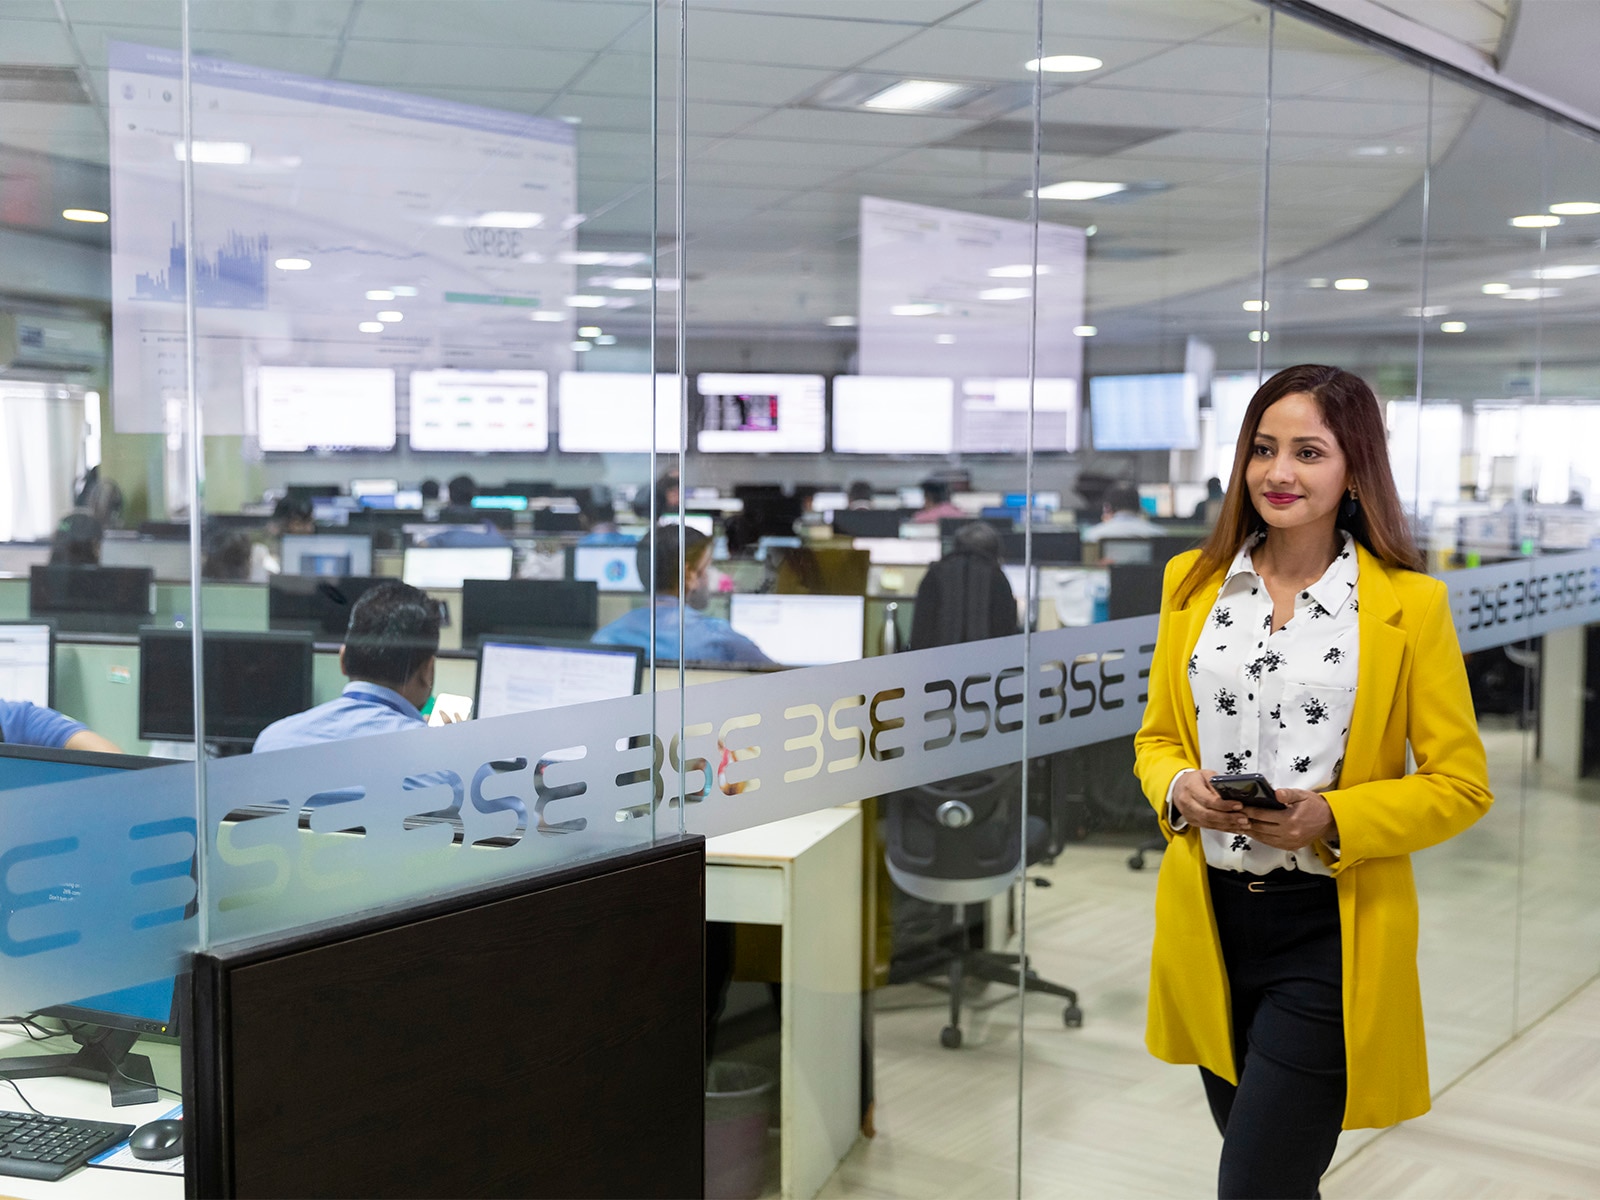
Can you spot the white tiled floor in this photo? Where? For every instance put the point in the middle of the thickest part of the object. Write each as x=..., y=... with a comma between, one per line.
x=1101, y=1118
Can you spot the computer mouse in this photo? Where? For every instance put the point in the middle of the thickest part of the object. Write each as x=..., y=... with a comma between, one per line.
x=157, y=1139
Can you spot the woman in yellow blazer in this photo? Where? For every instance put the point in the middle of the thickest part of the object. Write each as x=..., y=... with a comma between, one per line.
x=1311, y=539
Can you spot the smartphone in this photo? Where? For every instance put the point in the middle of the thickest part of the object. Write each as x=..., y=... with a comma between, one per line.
x=459, y=708
x=1253, y=791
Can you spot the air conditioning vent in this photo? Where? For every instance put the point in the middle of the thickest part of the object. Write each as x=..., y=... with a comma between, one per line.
x=29, y=342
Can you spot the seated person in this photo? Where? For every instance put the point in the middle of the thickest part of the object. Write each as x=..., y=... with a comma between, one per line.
x=936, y=503
x=77, y=540
x=706, y=639
x=461, y=524
x=600, y=519
x=859, y=495
x=23, y=723
x=1123, y=516
x=965, y=596
x=388, y=656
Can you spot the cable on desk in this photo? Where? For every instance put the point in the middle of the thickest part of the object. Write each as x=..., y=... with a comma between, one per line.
x=20, y=1096
x=28, y=1026
x=147, y=1083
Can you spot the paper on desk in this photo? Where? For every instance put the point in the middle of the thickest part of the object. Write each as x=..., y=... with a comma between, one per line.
x=120, y=1158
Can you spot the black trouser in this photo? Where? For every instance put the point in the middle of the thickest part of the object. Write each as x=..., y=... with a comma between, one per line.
x=1281, y=945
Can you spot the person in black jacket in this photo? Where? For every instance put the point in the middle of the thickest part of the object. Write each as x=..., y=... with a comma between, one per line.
x=965, y=596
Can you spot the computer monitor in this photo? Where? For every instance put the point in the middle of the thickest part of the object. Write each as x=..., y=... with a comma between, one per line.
x=105, y=1026
x=1049, y=546
x=829, y=501
x=326, y=554
x=603, y=412
x=545, y=608
x=27, y=662
x=895, y=552
x=325, y=408
x=993, y=417
x=509, y=502
x=251, y=680
x=822, y=571
x=950, y=526
x=165, y=531
x=868, y=522
x=169, y=560
x=451, y=566
x=875, y=414
x=91, y=597
x=610, y=568
x=802, y=631
x=374, y=487
x=555, y=520
x=1135, y=589
x=1145, y=412
x=319, y=605
x=518, y=675
x=761, y=414
x=479, y=412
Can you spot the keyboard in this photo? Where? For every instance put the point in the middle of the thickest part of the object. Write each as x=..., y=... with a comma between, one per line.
x=36, y=1147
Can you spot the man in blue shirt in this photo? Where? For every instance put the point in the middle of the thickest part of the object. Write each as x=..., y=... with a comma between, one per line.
x=705, y=639
x=23, y=723
x=388, y=656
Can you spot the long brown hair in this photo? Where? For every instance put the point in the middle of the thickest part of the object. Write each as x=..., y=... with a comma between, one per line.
x=1351, y=412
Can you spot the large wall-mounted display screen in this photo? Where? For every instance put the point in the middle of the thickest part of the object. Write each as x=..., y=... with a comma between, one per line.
x=762, y=414
x=1144, y=412
x=603, y=412
x=325, y=408
x=480, y=411
x=993, y=416
x=883, y=414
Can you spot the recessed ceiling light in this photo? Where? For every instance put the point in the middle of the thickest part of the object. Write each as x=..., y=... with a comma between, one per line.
x=1431, y=310
x=1575, y=208
x=634, y=283
x=841, y=322
x=1317, y=283
x=390, y=316
x=1257, y=305
x=606, y=339
x=916, y=310
x=1080, y=189
x=1005, y=293
x=586, y=301
x=945, y=339
x=1084, y=331
x=91, y=216
x=1260, y=335
x=380, y=294
x=1020, y=271
x=1495, y=289
x=580, y=347
x=602, y=258
x=589, y=331
x=401, y=290
x=371, y=327
x=504, y=219
x=227, y=154
x=547, y=315
x=1064, y=64
x=293, y=264
x=1350, y=285
x=1535, y=221
x=915, y=93
x=1452, y=327
x=1569, y=271
x=1530, y=293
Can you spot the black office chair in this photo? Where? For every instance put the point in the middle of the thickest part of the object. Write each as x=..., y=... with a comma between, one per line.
x=957, y=843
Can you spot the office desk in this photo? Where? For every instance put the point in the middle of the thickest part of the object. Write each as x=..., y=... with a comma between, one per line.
x=91, y=1101
x=804, y=874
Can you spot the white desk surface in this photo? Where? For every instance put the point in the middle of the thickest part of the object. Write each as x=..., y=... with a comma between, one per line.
x=777, y=841
x=92, y=1101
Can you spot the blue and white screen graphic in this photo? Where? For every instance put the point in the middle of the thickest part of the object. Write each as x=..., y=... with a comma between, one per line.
x=1144, y=412
x=335, y=225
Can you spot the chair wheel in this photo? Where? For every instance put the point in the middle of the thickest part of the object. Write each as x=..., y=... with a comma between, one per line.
x=1073, y=1016
x=1136, y=862
x=950, y=1037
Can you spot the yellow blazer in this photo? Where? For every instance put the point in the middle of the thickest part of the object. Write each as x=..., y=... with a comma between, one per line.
x=1411, y=687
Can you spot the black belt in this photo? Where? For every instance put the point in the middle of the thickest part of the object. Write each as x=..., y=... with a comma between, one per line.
x=1279, y=880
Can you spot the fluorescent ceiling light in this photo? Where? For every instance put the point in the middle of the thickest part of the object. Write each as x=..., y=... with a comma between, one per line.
x=1571, y=271
x=602, y=258
x=226, y=154
x=1431, y=310
x=1257, y=305
x=1020, y=271
x=1575, y=208
x=380, y=294
x=391, y=315
x=1065, y=64
x=90, y=216
x=589, y=331
x=547, y=315
x=1080, y=189
x=945, y=339
x=1260, y=335
x=1005, y=293
x=1535, y=221
x=1318, y=282
x=371, y=327
x=606, y=339
x=586, y=301
x=841, y=322
x=633, y=283
x=914, y=93
x=401, y=290
x=1084, y=331
x=1452, y=327
x=505, y=219
x=1530, y=293
x=1496, y=289
x=1350, y=285
x=580, y=347
x=293, y=264
x=916, y=310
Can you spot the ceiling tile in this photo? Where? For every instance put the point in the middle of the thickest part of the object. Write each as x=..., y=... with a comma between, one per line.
x=35, y=43
x=718, y=36
x=878, y=129
x=530, y=24
x=399, y=64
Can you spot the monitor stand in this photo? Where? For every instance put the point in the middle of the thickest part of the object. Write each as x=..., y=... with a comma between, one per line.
x=104, y=1058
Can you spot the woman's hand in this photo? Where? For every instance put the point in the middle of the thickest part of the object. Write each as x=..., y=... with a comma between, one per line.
x=1307, y=819
x=1200, y=804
